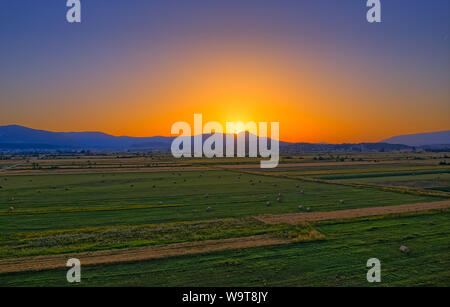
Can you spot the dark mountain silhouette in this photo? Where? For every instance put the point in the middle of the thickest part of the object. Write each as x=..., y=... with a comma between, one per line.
x=21, y=139
x=422, y=139
x=26, y=138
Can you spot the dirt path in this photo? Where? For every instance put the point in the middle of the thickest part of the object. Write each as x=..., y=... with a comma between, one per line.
x=13, y=166
x=295, y=218
x=136, y=254
x=309, y=164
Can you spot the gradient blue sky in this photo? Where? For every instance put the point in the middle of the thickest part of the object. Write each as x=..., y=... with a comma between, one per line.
x=133, y=67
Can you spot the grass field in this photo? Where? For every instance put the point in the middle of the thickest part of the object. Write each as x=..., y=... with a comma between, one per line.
x=68, y=204
x=339, y=260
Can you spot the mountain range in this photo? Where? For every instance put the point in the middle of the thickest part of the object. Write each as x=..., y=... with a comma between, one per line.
x=421, y=139
x=18, y=138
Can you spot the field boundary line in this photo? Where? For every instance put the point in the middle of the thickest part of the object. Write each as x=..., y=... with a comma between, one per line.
x=295, y=218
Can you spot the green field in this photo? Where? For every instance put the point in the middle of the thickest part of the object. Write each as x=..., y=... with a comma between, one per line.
x=339, y=260
x=78, y=204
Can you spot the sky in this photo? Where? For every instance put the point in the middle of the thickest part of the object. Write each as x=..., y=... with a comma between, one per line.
x=135, y=67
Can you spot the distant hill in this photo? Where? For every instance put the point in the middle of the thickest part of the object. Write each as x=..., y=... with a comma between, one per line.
x=15, y=138
x=22, y=138
x=422, y=139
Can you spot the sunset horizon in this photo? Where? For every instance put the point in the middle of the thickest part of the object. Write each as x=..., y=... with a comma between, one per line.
x=323, y=83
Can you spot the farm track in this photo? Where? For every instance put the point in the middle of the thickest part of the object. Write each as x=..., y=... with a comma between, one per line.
x=40, y=263
x=309, y=164
x=295, y=218
x=12, y=166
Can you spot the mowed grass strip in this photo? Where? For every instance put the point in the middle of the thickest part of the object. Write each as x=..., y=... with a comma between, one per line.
x=114, y=237
x=338, y=260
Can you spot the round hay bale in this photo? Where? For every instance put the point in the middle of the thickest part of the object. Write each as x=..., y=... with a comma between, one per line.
x=302, y=192
x=278, y=199
x=296, y=186
x=404, y=249
x=11, y=209
x=209, y=209
x=268, y=204
x=11, y=199
x=308, y=209
x=279, y=194
x=342, y=201
x=160, y=203
x=300, y=207
x=206, y=195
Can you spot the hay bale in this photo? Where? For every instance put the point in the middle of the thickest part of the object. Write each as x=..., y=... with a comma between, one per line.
x=342, y=201
x=209, y=209
x=308, y=209
x=296, y=186
x=206, y=195
x=302, y=192
x=300, y=207
x=404, y=249
x=160, y=203
x=11, y=199
x=278, y=199
x=11, y=209
x=268, y=204
x=279, y=194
